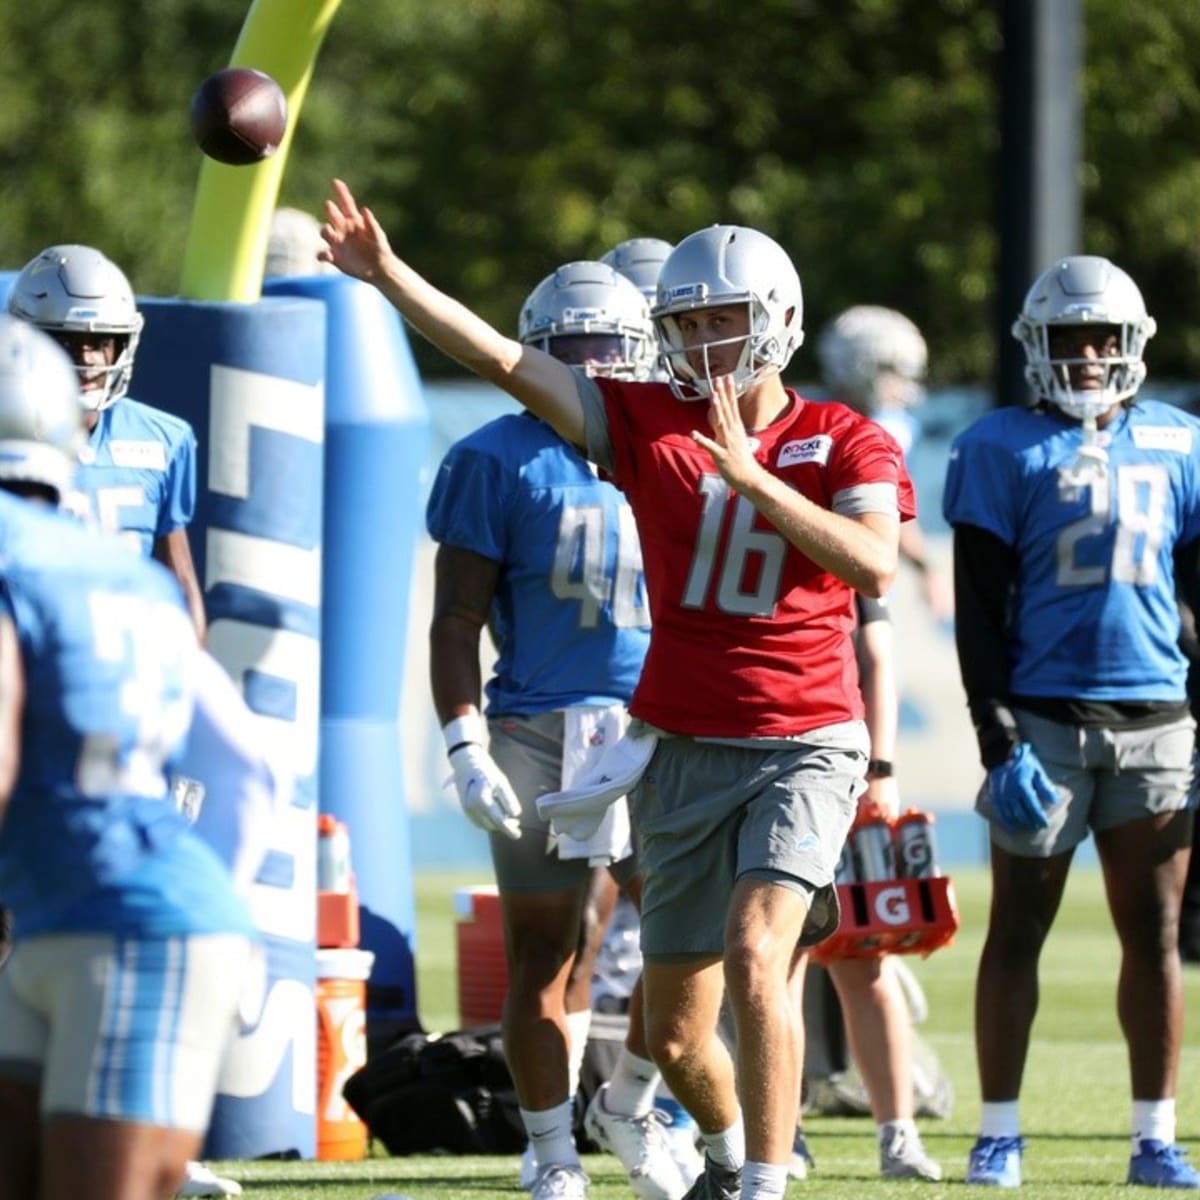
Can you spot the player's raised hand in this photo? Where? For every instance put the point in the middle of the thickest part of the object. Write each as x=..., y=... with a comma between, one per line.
x=729, y=445
x=354, y=240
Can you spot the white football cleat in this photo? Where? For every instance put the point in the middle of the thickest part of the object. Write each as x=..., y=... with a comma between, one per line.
x=640, y=1145
x=681, y=1133
x=560, y=1182
x=198, y=1180
x=802, y=1159
x=901, y=1156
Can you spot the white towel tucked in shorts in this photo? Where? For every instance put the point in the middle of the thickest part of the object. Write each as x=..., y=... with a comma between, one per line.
x=589, y=730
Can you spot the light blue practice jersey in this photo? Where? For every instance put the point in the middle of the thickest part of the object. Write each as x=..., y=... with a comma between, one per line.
x=137, y=474
x=1095, y=616
x=91, y=841
x=570, y=615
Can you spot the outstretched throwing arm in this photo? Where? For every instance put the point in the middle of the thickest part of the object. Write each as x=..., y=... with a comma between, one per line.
x=356, y=244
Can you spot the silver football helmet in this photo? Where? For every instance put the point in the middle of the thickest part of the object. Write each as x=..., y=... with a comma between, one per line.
x=640, y=260
x=41, y=419
x=722, y=265
x=293, y=245
x=870, y=355
x=1084, y=290
x=589, y=315
x=75, y=289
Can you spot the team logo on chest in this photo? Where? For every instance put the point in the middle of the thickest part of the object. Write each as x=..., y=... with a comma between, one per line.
x=810, y=449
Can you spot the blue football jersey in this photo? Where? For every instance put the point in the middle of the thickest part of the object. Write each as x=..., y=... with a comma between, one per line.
x=90, y=840
x=1095, y=616
x=570, y=617
x=136, y=474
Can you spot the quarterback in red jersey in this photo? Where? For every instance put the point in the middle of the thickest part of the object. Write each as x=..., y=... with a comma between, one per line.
x=760, y=515
x=751, y=638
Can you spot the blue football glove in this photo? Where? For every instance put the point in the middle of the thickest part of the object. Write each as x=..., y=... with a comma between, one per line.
x=1021, y=791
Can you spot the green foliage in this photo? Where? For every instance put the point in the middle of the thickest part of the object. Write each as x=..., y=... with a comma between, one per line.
x=498, y=138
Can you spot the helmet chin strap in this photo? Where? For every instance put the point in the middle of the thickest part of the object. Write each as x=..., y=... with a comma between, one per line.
x=93, y=400
x=1091, y=461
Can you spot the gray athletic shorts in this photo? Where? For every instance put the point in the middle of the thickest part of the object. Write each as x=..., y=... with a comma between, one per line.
x=708, y=814
x=1104, y=777
x=528, y=749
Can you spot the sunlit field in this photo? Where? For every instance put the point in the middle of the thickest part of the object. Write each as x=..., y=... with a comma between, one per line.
x=1075, y=1105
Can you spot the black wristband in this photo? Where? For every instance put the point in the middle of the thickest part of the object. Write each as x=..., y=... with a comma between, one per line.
x=880, y=768
x=996, y=744
x=458, y=746
x=996, y=732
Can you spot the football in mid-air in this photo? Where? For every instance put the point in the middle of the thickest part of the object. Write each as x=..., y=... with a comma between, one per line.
x=239, y=116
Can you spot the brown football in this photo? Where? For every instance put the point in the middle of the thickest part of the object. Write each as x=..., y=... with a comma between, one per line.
x=239, y=116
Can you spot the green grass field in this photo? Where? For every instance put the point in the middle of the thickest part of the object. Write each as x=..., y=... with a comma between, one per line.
x=1075, y=1105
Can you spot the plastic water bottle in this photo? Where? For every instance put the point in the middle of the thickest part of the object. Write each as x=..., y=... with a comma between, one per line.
x=333, y=854
x=874, y=855
x=915, y=845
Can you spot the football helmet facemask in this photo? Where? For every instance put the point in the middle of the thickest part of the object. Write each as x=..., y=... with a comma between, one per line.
x=587, y=314
x=870, y=354
x=41, y=418
x=75, y=289
x=1084, y=290
x=726, y=265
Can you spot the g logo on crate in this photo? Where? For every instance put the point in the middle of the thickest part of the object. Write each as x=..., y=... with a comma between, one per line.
x=892, y=907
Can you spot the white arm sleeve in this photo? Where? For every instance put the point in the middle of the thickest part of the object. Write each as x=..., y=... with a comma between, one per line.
x=244, y=792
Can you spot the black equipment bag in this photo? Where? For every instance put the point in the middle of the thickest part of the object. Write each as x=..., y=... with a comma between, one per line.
x=452, y=1093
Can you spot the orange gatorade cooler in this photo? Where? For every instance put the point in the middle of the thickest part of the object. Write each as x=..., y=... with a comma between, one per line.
x=482, y=967
x=341, y=1049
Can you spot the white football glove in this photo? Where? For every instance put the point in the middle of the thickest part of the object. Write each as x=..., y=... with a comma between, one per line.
x=484, y=792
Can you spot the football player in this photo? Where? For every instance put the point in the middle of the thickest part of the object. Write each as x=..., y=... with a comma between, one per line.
x=873, y=359
x=640, y=260
x=132, y=948
x=1073, y=520
x=545, y=554
x=869, y=990
x=759, y=515
x=137, y=473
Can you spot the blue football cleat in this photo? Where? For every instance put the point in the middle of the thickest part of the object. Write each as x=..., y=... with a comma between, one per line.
x=1161, y=1164
x=996, y=1162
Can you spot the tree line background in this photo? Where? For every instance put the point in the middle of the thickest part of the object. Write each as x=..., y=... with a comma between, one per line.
x=496, y=139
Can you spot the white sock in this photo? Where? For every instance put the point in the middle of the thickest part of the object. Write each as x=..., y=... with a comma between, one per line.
x=631, y=1087
x=549, y=1132
x=578, y=1024
x=764, y=1181
x=727, y=1149
x=999, y=1118
x=905, y=1124
x=1153, y=1119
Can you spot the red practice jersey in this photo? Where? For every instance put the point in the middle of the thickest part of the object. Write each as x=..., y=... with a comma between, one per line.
x=749, y=637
